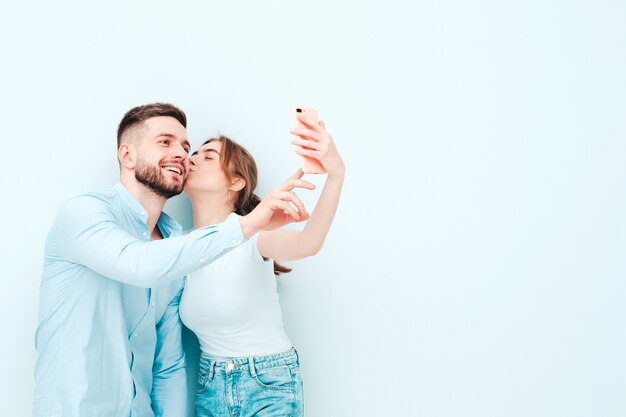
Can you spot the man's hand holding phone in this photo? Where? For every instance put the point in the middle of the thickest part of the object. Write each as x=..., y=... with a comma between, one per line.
x=280, y=207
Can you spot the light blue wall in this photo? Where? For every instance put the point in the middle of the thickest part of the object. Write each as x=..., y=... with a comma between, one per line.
x=476, y=266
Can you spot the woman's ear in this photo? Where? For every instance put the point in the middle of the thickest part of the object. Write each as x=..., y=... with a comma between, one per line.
x=237, y=184
x=126, y=155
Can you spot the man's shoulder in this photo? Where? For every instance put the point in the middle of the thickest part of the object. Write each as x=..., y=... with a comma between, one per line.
x=83, y=211
x=106, y=194
x=104, y=199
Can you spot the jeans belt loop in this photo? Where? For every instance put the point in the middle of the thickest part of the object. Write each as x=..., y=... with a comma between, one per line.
x=252, y=368
x=211, y=370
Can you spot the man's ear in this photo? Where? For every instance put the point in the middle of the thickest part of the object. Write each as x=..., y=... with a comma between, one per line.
x=126, y=155
x=237, y=184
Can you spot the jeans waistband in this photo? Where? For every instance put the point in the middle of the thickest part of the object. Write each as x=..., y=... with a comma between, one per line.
x=252, y=364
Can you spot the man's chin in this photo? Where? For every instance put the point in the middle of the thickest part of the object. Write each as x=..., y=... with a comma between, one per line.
x=178, y=187
x=172, y=192
x=159, y=184
x=166, y=191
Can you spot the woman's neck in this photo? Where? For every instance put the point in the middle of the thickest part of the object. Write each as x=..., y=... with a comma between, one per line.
x=209, y=209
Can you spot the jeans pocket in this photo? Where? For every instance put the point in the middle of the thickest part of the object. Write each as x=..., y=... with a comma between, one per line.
x=277, y=378
x=203, y=382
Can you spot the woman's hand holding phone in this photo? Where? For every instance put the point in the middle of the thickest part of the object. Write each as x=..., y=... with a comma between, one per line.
x=315, y=144
x=312, y=141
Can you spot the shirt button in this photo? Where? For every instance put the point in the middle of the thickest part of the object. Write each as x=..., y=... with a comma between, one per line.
x=202, y=260
x=152, y=303
x=143, y=213
x=230, y=366
x=145, y=233
x=136, y=334
x=233, y=241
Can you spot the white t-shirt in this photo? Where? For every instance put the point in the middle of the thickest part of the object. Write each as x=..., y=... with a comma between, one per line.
x=232, y=305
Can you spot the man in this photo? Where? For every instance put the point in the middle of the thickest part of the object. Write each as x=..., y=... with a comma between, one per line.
x=109, y=334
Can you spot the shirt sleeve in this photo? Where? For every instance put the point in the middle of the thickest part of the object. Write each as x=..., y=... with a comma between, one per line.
x=87, y=233
x=169, y=386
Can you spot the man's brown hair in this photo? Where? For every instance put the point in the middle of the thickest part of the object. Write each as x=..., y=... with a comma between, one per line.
x=137, y=115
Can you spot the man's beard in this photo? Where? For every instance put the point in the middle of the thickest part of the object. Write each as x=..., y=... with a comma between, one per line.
x=152, y=177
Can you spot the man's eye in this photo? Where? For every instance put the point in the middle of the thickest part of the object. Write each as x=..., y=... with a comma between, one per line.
x=164, y=141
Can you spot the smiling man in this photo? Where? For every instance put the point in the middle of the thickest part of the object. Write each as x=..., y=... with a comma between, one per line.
x=109, y=335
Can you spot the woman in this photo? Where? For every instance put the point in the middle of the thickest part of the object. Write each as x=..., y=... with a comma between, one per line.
x=248, y=366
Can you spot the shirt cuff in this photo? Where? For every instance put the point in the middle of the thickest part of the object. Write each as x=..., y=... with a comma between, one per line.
x=214, y=240
x=230, y=231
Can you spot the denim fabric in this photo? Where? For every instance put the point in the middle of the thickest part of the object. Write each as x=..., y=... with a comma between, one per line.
x=260, y=386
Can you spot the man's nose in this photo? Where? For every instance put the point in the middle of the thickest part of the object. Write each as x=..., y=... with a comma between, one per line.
x=181, y=152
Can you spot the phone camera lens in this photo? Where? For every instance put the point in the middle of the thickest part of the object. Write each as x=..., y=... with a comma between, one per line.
x=299, y=110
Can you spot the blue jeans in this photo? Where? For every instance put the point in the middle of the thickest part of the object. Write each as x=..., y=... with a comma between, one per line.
x=257, y=386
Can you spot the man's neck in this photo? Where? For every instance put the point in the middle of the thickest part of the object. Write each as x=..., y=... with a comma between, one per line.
x=150, y=201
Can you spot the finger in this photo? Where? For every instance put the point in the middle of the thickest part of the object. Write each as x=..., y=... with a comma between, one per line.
x=308, y=122
x=303, y=215
x=308, y=152
x=322, y=124
x=297, y=175
x=286, y=208
x=290, y=198
x=291, y=184
x=305, y=143
x=295, y=183
x=305, y=133
x=295, y=200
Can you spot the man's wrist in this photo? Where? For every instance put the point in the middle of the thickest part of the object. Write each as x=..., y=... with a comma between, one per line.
x=247, y=227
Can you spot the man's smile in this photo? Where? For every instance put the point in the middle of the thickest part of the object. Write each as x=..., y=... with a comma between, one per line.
x=175, y=168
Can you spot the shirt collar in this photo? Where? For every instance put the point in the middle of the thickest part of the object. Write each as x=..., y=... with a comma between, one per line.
x=167, y=223
x=130, y=201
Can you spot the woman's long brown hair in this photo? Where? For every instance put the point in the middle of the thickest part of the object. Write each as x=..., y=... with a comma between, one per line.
x=237, y=162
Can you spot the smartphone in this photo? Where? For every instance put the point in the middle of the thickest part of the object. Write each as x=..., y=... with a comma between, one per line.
x=309, y=165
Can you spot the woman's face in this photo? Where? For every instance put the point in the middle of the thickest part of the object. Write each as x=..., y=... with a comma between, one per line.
x=205, y=170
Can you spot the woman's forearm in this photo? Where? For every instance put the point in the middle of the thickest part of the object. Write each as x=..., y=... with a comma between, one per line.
x=316, y=229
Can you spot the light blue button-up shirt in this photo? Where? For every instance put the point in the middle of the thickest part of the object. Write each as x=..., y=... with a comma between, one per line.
x=109, y=335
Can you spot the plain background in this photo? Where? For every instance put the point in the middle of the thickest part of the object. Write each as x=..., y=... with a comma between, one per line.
x=476, y=265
